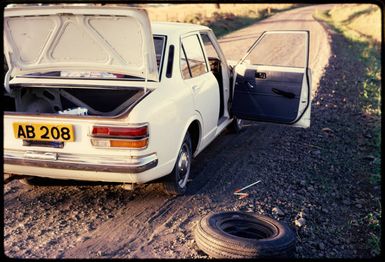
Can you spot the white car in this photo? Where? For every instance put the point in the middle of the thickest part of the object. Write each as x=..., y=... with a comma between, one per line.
x=100, y=94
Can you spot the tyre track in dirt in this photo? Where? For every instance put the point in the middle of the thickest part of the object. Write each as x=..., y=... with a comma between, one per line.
x=127, y=236
x=129, y=223
x=202, y=183
x=148, y=223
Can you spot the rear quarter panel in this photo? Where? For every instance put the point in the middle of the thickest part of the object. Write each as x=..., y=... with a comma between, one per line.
x=169, y=110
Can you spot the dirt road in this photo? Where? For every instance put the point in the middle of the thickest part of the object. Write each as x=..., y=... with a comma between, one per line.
x=304, y=172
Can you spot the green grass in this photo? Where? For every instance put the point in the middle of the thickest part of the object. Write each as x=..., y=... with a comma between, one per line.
x=364, y=43
x=375, y=244
x=374, y=241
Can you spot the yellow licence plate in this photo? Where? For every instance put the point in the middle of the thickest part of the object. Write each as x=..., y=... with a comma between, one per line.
x=44, y=132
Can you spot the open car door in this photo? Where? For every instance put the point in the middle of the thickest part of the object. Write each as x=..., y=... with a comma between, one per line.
x=272, y=82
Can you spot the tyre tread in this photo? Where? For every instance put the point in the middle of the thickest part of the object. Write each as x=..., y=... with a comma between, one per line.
x=219, y=245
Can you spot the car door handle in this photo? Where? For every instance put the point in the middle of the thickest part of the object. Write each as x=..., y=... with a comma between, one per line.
x=283, y=93
x=249, y=85
x=196, y=87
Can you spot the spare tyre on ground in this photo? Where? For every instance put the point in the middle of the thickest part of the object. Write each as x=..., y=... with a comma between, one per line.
x=243, y=235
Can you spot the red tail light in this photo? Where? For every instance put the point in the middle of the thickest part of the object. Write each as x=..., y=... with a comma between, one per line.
x=123, y=137
x=120, y=132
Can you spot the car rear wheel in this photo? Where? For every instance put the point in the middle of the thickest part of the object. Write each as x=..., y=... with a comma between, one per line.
x=176, y=182
x=236, y=125
x=32, y=181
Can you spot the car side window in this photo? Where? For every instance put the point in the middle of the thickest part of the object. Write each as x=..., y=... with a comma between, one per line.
x=212, y=54
x=159, y=42
x=192, y=50
x=209, y=47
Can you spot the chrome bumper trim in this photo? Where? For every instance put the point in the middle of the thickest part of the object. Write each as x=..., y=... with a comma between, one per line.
x=118, y=164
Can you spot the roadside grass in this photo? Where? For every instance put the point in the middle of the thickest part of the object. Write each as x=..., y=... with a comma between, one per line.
x=362, y=18
x=360, y=24
x=373, y=219
x=368, y=50
x=222, y=21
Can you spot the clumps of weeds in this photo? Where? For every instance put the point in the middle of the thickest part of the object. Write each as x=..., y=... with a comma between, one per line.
x=374, y=241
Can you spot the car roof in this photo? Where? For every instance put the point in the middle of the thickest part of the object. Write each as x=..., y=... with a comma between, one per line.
x=172, y=28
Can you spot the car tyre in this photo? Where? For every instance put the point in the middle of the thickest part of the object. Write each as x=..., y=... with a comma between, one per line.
x=243, y=235
x=235, y=126
x=176, y=182
x=32, y=181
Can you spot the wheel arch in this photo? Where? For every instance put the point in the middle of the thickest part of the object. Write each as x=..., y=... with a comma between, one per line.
x=194, y=127
x=194, y=130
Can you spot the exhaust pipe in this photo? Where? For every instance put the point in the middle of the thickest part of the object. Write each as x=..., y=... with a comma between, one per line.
x=128, y=186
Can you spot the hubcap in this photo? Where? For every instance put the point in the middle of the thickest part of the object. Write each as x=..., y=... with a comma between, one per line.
x=183, y=167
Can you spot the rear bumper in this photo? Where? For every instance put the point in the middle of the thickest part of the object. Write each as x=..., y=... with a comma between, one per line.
x=114, y=164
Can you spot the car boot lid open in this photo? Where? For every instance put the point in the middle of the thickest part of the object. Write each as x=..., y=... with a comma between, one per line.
x=117, y=40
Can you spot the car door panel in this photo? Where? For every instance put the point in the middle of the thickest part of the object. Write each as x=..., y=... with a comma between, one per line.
x=203, y=84
x=274, y=92
x=275, y=97
x=206, y=98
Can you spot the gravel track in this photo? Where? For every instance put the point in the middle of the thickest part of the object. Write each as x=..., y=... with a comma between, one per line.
x=314, y=177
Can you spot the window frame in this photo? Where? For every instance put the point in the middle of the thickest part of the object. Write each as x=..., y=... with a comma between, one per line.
x=160, y=70
x=188, y=65
x=215, y=44
x=182, y=49
x=206, y=33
